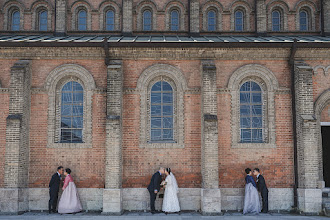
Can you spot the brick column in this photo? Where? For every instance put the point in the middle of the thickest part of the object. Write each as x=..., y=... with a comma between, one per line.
x=326, y=9
x=211, y=196
x=112, y=196
x=127, y=17
x=17, y=140
x=61, y=18
x=261, y=17
x=309, y=196
x=194, y=17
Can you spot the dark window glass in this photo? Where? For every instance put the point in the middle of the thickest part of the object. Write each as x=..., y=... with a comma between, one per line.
x=251, y=118
x=276, y=21
x=303, y=19
x=174, y=20
x=15, y=21
x=72, y=111
x=211, y=21
x=43, y=20
x=161, y=112
x=82, y=20
x=239, y=20
x=147, y=20
x=110, y=20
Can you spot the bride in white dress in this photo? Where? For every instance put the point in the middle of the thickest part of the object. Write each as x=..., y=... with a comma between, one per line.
x=170, y=201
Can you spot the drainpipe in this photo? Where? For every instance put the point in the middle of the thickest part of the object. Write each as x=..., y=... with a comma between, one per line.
x=294, y=121
x=322, y=18
x=256, y=17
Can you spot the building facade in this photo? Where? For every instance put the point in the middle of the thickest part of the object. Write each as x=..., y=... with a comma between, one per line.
x=114, y=89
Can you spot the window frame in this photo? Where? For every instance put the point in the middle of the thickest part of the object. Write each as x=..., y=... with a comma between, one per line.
x=106, y=25
x=215, y=20
x=144, y=19
x=39, y=19
x=12, y=20
x=171, y=20
x=78, y=19
x=279, y=20
x=235, y=20
x=307, y=20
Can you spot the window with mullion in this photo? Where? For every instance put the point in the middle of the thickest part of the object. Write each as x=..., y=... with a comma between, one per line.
x=276, y=21
x=43, y=21
x=72, y=110
x=147, y=20
x=211, y=20
x=82, y=20
x=15, y=20
x=239, y=20
x=110, y=20
x=174, y=20
x=161, y=112
x=251, y=113
x=303, y=20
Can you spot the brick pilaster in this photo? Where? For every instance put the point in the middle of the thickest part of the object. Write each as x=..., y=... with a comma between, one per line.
x=61, y=18
x=261, y=17
x=326, y=9
x=194, y=17
x=211, y=197
x=127, y=17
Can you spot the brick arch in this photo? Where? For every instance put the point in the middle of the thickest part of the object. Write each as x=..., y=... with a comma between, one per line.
x=75, y=7
x=269, y=84
x=217, y=6
x=54, y=82
x=36, y=7
x=179, y=5
x=8, y=7
x=246, y=8
x=104, y=6
x=284, y=10
x=175, y=77
x=311, y=9
x=140, y=8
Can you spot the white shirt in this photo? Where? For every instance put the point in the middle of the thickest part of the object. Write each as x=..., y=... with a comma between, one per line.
x=258, y=175
x=59, y=174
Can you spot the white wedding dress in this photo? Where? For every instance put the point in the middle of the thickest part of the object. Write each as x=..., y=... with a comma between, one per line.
x=171, y=201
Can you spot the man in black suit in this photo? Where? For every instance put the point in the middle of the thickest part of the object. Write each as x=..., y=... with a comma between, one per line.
x=154, y=187
x=262, y=188
x=54, y=187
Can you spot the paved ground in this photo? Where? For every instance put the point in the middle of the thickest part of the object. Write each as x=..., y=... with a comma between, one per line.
x=161, y=216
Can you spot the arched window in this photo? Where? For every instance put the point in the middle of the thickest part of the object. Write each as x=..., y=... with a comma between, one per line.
x=251, y=113
x=15, y=20
x=174, y=20
x=82, y=20
x=239, y=20
x=276, y=20
x=42, y=20
x=303, y=20
x=211, y=20
x=110, y=20
x=72, y=112
x=161, y=117
x=147, y=20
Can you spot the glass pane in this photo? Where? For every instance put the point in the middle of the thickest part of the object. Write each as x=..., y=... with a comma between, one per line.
x=65, y=122
x=246, y=135
x=168, y=98
x=110, y=20
x=257, y=122
x=66, y=110
x=77, y=122
x=78, y=97
x=257, y=136
x=255, y=86
x=156, y=98
x=82, y=20
x=167, y=110
x=245, y=122
x=66, y=135
x=77, y=136
x=156, y=134
x=67, y=87
x=257, y=110
x=168, y=122
x=256, y=97
x=66, y=98
x=43, y=21
x=167, y=86
x=245, y=97
x=168, y=134
x=245, y=110
x=78, y=110
x=156, y=110
x=77, y=87
x=15, y=21
x=156, y=122
x=174, y=20
x=156, y=87
x=246, y=87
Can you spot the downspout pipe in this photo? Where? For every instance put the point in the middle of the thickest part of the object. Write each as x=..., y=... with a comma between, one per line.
x=294, y=121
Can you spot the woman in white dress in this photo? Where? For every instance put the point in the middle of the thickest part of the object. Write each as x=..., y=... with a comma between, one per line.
x=170, y=201
x=69, y=202
x=251, y=199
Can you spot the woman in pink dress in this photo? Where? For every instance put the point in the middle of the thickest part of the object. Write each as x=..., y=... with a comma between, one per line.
x=69, y=202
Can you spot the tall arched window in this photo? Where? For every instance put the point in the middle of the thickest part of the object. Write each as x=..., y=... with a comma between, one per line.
x=211, y=20
x=110, y=20
x=82, y=20
x=147, y=23
x=161, y=117
x=251, y=113
x=72, y=111
x=239, y=20
x=303, y=20
x=174, y=20
x=276, y=20
x=42, y=20
x=15, y=20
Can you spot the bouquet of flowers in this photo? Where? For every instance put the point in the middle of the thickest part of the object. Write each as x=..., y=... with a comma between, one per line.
x=163, y=183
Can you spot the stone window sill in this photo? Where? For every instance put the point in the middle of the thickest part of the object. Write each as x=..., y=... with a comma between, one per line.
x=70, y=145
x=253, y=145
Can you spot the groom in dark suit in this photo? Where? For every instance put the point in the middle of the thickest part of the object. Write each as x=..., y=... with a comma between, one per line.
x=154, y=187
x=54, y=187
x=262, y=188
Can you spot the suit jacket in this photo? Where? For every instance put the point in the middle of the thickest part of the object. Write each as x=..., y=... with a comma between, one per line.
x=155, y=182
x=261, y=184
x=54, y=184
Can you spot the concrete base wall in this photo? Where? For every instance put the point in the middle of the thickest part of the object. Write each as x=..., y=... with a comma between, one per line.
x=137, y=199
x=310, y=200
